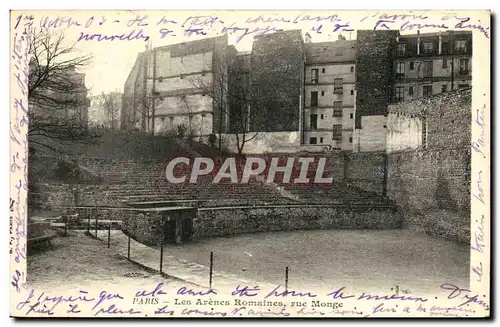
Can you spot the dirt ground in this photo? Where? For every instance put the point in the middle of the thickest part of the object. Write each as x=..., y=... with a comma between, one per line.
x=81, y=261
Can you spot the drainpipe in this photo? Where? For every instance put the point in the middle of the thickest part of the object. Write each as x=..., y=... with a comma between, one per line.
x=418, y=43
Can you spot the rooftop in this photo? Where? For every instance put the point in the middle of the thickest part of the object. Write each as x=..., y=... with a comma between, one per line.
x=335, y=51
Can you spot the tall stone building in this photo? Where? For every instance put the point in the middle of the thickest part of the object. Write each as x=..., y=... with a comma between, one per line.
x=277, y=81
x=179, y=87
x=431, y=63
x=374, y=84
x=315, y=95
x=330, y=94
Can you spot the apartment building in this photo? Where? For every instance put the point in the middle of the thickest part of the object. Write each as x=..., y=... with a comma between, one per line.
x=431, y=63
x=180, y=86
x=330, y=77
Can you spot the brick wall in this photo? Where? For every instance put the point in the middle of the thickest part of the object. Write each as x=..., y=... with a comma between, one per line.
x=432, y=185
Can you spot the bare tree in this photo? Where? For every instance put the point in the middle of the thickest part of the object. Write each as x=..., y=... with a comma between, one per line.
x=111, y=106
x=242, y=130
x=216, y=87
x=56, y=91
x=149, y=102
x=240, y=104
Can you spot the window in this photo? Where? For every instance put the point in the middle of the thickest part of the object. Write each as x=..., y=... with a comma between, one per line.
x=337, y=109
x=321, y=116
x=351, y=116
x=314, y=121
x=401, y=49
x=313, y=140
x=339, y=52
x=399, y=93
x=428, y=47
x=352, y=92
x=352, y=69
x=322, y=93
x=320, y=140
x=444, y=88
x=350, y=140
x=463, y=86
x=182, y=77
x=461, y=46
x=160, y=79
x=337, y=132
x=427, y=90
x=445, y=63
x=400, y=70
x=464, y=66
x=412, y=67
x=445, y=48
x=337, y=85
x=427, y=68
x=410, y=91
x=314, y=99
x=323, y=70
x=314, y=76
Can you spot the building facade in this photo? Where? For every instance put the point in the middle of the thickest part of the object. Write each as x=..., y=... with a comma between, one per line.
x=62, y=100
x=330, y=94
x=432, y=63
x=180, y=88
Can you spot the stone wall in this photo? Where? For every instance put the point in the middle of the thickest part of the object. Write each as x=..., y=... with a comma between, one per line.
x=433, y=190
x=233, y=221
x=366, y=171
x=432, y=184
x=214, y=222
x=277, y=81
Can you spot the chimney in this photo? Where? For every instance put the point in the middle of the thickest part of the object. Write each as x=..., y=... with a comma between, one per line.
x=307, y=38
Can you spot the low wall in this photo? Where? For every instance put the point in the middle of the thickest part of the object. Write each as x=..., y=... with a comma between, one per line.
x=50, y=196
x=212, y=222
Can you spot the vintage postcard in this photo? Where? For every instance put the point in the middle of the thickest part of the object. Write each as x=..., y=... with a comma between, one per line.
x=230, y=164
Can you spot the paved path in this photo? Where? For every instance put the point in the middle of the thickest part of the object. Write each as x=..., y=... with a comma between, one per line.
x=178, y=268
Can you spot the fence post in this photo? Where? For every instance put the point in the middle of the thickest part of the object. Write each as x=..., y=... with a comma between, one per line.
x=211, y=269
x=109, y=235
x=65, y=225
x=88, y=217
x=161, y=243
x=161, y=257
x=96, y=223
x=286, y=279
x=128, y=251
